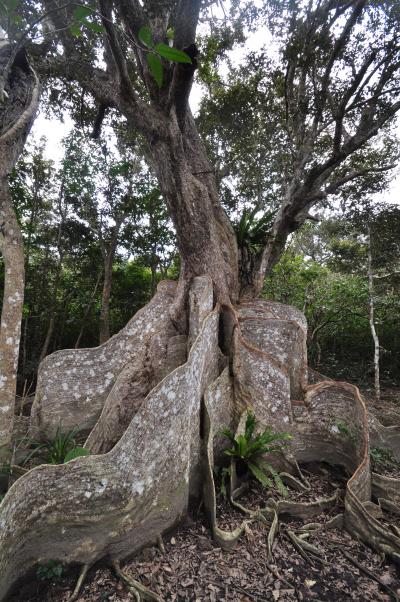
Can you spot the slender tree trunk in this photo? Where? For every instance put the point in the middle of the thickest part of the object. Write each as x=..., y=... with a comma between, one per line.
x=105, y=298
x=28, y=245
x=12, y=250
x=49, y=334
x=87, y=310
x=51, y=323
x=24, y=345
x=372, y=320
x=53, y=308
x=153, y=269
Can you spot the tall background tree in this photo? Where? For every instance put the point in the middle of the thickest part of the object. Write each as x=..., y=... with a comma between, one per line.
x=19, y=96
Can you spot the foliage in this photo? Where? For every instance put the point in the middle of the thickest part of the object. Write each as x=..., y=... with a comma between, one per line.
x=345, y=430
x=67, y=213
x=252, y=231
x=383, y=458
x=323, y=273
x=49, y=570
x=158, y=51
x=223, y=474
x=251, y=448
x=84, y=16
x=57, y=450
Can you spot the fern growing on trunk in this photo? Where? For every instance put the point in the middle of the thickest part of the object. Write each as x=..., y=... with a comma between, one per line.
x=251, y=448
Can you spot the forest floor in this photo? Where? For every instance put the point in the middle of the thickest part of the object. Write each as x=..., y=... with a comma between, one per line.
x=194, y=568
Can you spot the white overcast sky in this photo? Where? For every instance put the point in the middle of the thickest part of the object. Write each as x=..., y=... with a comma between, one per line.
x=54, y=130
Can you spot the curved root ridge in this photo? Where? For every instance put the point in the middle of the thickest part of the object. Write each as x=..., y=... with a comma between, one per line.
x=116, y=503
x=79, y=583
x=138, y=589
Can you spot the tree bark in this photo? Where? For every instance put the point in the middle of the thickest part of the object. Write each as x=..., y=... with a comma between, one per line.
x=189, y=188
x=141, y=487
x=11, y=248
x=17, y=112
x=105, y=299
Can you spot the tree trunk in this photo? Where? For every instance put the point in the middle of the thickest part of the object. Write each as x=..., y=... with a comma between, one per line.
x=87, y=310
x=17, y=111
x=371, y=315
x=187, y=182
x=52, y=317
x=12, y=250
x=104, y=334
x=49, y=334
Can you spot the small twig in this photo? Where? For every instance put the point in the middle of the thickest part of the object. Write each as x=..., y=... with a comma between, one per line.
x=160, y=544
x=370, y=574
x=298, y=547
x=135, y=587
x=18, y=470
x=278, y=576
x=79, y=583
x=247, y=593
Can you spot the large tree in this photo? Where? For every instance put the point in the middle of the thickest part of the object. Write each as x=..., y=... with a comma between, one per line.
x=338, y=72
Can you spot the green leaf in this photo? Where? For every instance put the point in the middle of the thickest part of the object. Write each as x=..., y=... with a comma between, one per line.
x=75, y=30
x=93, y=26
x=76, y=452
x=172, y=54
x=145, y=36
x=156, y=68
x=81, y=12
x=242, y=445
x=277, y=479
x=57, y=570
x=223, y=487
x=259, y=474
x=227, y=433
x=250, y=425
x=8, y=6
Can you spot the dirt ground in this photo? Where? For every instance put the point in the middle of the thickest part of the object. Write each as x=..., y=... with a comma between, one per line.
x=193, y=568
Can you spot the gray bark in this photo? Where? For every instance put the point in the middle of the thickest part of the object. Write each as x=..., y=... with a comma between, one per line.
x=113, y=504
x=10, y=331
x=105, y=300
x=17, y=111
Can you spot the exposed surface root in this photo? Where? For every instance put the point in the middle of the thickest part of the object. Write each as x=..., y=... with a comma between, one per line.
x=115, y=503
x=79, y=583
x=138, y=589
x=74, y=384
x=118, y=502
x=226, y=539
x=192, y=562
